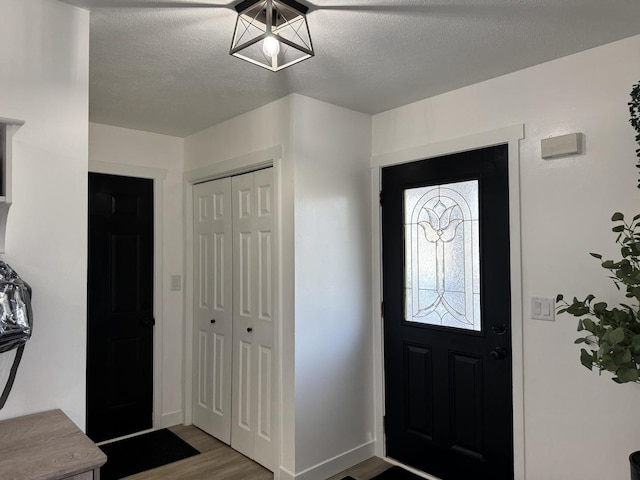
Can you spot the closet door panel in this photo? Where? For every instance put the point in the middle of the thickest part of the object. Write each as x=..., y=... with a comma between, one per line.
x=243, y=421
x=253, y=316
x=213, y=319
x=263, y=320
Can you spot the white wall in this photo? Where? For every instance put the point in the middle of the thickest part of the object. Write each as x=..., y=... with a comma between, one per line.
x=334, y=401
x=577, y=425
x=121, y=146
x=44, y=67
x=261, y=128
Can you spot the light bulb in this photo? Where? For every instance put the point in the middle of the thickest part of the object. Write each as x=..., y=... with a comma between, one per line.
x=271, y=47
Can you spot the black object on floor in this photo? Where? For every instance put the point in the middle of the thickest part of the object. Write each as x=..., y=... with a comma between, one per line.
x=144, y=452
x=396, y=473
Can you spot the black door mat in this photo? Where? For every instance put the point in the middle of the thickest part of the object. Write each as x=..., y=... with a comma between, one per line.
x=394, y=473
x=144, y=452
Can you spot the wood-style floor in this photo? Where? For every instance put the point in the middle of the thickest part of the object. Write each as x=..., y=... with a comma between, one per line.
x=218, y=461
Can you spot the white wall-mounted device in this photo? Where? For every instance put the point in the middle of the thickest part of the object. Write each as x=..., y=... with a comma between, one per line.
x=553, y=147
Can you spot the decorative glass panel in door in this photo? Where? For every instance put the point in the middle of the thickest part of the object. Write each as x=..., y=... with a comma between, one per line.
x=442, y=259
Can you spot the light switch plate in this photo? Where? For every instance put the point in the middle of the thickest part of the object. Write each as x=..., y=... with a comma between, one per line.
x=543, y=309
x=176, y=283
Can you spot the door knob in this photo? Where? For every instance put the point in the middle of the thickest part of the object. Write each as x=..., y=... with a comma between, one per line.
x=249, y=329
x=213, y=321
x=148, y=322
x=498, y=353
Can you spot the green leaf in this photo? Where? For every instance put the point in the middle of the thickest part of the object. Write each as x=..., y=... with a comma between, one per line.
x=617, y=217
x=604, y=348
x=627, y=374
x=621, y=316
x=596, y=255
x=616, y=335
x=623, y=357
x=599, y=307
x=589, y=325
x=608, y=363
x=618, y=228
x=559, y=298
x=580, y=340
x=586, y=359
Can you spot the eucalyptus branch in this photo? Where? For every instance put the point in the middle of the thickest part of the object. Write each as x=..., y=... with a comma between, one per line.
x=613, y=334
x=634, y=112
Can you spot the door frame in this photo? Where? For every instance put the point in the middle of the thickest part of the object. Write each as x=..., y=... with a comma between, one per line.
x=510, y=136
x=158, y=175
x=269, y=157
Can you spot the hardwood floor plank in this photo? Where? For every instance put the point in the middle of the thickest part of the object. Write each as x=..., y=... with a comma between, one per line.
x=198, y=439
x=365, y=470
x=218, y=461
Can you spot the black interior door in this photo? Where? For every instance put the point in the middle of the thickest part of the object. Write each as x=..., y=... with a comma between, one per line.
x=447, y=335
x=120, y=306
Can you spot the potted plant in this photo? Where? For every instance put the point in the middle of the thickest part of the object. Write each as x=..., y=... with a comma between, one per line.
x=611, y=335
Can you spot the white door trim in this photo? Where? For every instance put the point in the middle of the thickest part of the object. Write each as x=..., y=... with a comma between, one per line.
x=158, y=175
x=511, y=136
x=269, y=157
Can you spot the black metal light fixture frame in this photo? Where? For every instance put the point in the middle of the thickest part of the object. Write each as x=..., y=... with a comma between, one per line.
x=272, y=34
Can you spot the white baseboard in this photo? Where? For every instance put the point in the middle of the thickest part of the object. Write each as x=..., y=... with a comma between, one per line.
x=336, y=464
x=285, y=475
x=170, y=419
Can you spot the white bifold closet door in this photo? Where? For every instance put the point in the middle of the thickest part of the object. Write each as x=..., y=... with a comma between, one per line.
x=213, y=311
x=234, y=349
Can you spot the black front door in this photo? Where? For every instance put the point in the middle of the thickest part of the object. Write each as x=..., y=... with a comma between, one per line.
x=120, y=306
x=447, y=324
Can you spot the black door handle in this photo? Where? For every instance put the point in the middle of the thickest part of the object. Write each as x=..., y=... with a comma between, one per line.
x=249, y=329
x=149, y=322
x=213, y=321
x=498, y=353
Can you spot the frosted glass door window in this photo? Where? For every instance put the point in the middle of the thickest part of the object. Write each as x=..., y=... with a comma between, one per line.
x=442, y=255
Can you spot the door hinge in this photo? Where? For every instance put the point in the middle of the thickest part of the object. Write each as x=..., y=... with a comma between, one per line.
x=384, y=424
x=380, y=197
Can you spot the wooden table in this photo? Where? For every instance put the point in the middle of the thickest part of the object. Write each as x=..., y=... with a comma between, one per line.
x=47, y=446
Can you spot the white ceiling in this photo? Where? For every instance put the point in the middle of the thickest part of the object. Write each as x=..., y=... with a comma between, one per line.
x=163, y=66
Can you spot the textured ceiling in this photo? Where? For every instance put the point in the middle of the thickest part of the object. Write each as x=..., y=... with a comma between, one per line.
x=164, y=67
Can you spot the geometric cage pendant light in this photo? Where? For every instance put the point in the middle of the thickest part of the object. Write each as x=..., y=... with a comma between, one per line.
x=272, y=34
